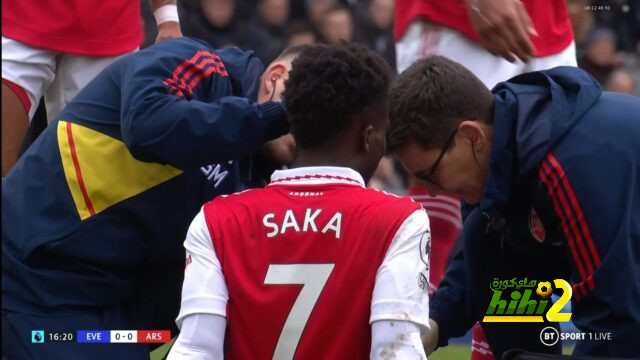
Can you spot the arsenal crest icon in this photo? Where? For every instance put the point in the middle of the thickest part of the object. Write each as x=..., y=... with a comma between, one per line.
x=535, y=226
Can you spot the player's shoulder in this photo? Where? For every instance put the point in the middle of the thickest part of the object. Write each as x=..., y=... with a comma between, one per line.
x=381, y=195
x=381, y=199
x=386, y=212
x=240, y=197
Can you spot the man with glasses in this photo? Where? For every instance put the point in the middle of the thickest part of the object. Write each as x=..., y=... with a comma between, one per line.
x=429, y=176
x=496, y=40
x=551, y=174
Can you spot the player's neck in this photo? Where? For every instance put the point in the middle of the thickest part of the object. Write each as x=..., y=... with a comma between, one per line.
x=321, y=158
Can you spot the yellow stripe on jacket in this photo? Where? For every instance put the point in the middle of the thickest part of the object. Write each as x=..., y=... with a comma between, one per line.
x=101, y=172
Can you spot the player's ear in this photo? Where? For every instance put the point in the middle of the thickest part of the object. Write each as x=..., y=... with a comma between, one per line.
x=367, y=138
x=474, y=133
x=269, y=84
x=274, y=79
x=275, y=73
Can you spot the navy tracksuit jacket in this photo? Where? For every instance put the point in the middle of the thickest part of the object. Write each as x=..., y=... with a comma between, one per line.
x=568, y=154
x=96, y=210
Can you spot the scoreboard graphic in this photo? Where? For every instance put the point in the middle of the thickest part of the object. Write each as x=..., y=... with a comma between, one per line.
x=102, y=336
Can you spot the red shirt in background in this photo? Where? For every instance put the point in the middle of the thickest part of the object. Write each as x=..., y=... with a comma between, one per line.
x=549, y=17
x=79, y=27
x=445, y=223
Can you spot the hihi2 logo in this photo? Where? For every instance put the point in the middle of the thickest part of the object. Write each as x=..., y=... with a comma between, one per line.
x=523, y=306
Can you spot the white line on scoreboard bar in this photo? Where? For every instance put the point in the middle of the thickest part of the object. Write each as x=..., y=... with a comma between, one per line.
x=124, y=336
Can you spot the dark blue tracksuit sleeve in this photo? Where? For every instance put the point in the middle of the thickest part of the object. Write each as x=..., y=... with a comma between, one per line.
x=450, y=306
x=199, y=125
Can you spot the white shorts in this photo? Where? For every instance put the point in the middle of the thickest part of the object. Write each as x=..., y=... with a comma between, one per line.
x=57, y=76
x=423, y=39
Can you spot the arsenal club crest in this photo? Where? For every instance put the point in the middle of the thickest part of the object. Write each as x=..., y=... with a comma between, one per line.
x=535, y=226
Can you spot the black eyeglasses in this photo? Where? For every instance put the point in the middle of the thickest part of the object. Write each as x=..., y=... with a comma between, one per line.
x=429, y=176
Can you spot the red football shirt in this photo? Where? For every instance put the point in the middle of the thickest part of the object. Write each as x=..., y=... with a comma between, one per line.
x=299, y=260
x=80, y=27
x=549, y=17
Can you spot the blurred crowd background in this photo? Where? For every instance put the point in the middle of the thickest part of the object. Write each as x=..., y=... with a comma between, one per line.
x=269, y=26
x=607, y=36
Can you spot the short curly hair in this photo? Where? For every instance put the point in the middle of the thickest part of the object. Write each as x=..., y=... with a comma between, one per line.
x=328, y=84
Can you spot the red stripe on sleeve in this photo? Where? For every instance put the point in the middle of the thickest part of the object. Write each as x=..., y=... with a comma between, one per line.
x=543, y=173
x=176, y=83
x=569, y=216
x=176, y=74
x=203, y=74
x=190, y=72
x=196, y=68
x=577, y=296
x=574, y=216
x=576, y=206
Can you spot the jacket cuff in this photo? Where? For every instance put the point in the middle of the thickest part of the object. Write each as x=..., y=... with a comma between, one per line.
x=275, y=118
x=443, y=332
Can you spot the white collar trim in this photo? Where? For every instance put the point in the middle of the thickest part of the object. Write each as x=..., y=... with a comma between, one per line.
x=315, y=175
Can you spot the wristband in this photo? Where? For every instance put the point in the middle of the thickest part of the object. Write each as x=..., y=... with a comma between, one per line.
x=166, y=13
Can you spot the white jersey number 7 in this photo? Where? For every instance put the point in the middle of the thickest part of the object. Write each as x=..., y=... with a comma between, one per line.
x=313, y=277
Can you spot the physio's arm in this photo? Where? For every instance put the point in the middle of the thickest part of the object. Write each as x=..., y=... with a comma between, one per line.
x=179, y=121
